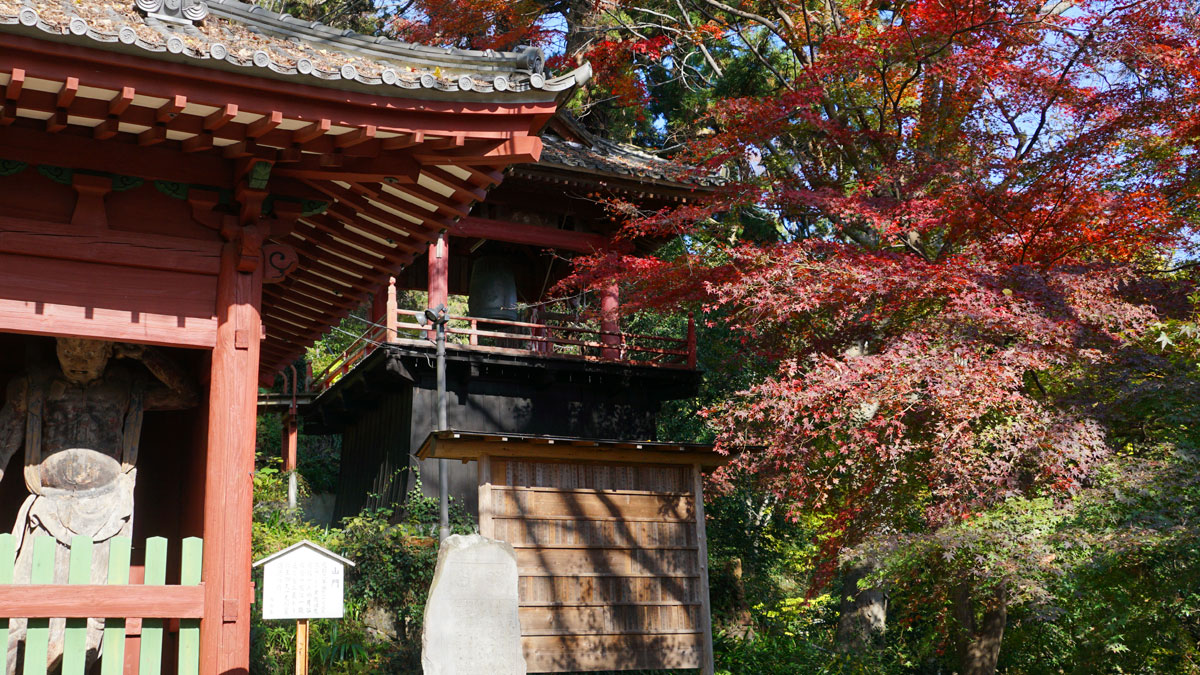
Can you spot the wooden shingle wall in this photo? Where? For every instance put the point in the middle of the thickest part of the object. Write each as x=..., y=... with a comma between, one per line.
x=611, y=558
x=375, y=459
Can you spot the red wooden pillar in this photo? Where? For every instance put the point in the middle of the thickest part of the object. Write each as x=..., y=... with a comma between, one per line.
x=291, y=433
x=291, y=442
x=439, y=275
x=610, y=323
x=229, y=465
x=377, y=317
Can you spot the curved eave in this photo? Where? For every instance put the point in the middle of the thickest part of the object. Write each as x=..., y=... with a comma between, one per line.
x=393, y=171
x=518, y=90
x=629, y=183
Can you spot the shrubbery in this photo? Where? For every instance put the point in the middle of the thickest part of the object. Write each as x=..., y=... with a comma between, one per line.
x=385, y=592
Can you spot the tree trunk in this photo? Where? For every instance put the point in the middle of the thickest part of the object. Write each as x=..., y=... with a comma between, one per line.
x=862, y=615
x=979, y=642
x=585, y=19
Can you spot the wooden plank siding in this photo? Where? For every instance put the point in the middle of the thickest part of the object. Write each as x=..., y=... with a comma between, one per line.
x=375, y=457
x=106, y=285
x=608, y=558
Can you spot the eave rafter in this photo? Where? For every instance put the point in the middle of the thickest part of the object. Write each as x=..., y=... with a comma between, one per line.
x=393, y=172
x=321, y=148
x=348, y=202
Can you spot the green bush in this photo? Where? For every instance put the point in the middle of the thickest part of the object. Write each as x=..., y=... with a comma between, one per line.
x=385, y=590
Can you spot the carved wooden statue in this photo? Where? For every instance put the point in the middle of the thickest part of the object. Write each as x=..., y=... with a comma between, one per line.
x=81, y=425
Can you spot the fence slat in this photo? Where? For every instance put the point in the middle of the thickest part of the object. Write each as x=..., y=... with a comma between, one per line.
x=75, y=637
x=37, y=637
x=8, y=549
x=112, y=662
x=152, y=629
x=189, y=629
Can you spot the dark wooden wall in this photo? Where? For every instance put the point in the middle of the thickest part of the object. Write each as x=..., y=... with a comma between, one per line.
x=384, y=417
x=375, y=465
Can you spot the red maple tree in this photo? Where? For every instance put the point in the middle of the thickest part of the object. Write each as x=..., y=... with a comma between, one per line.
x=965, y=197
x=965, y=192
x=473, y=24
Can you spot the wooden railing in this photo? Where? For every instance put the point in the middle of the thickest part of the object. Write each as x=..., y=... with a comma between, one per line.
x=556, y=334
x=362, y=346
x=567, y=340
x=132, y=609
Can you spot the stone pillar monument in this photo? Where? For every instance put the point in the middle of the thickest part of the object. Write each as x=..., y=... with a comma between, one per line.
x=471, y=621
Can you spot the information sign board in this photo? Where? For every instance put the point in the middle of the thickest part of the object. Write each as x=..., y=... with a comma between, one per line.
x=303, y=581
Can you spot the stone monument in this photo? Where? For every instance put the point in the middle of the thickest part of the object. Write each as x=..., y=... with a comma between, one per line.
x=471, y=621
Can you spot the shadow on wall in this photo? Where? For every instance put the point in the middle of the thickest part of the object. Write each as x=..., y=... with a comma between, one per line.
x=609, y=580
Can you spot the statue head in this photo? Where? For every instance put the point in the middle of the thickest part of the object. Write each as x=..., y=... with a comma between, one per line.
x=83, y=361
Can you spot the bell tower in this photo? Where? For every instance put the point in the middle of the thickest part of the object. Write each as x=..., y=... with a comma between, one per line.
x=552, y=402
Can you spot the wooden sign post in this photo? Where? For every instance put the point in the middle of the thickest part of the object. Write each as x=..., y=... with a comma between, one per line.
x=303, y=581
x=301, y=646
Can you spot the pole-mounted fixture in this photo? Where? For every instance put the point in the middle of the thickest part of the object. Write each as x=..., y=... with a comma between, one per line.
x=439, y=317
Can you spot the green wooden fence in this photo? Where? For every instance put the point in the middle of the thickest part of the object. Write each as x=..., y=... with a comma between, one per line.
x=112, y=660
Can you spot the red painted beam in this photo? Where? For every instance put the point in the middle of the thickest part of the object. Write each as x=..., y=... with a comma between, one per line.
x=402, y=167
x=76, y=148
x=533, y=235
x=393, y=258
x=356, y=204
x=204, y=129
x=307, y=291
x=110, y=70
x=444, y=207
x=152, y=251
x=102, y=602
x=431, y=223
x=519, y=150
x=464, y=191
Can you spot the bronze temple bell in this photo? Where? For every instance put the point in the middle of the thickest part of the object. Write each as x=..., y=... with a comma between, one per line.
x=493, y=290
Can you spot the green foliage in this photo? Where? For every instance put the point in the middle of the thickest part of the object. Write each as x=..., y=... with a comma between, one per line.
x=332, y=346
x=1130, y=601
x=361, y=16
x=385, y=593
x=317, y=456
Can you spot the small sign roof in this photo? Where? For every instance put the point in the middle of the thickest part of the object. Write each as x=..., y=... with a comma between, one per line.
x=304, y=543
x=467, y=445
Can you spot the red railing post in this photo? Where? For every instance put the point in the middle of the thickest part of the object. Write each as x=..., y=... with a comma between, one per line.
x=392, y=312
x=691, y=340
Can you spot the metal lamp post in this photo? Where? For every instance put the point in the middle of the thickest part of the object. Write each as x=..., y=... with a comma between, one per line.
x=438, y=317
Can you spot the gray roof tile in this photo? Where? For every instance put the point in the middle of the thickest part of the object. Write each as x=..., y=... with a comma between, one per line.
x=620, y=160
x=235, y=35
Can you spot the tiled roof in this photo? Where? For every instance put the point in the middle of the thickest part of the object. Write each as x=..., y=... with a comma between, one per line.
x=240, y=37
x=619, y=159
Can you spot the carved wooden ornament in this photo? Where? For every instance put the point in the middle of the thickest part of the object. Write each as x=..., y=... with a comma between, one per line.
x=278, y=261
